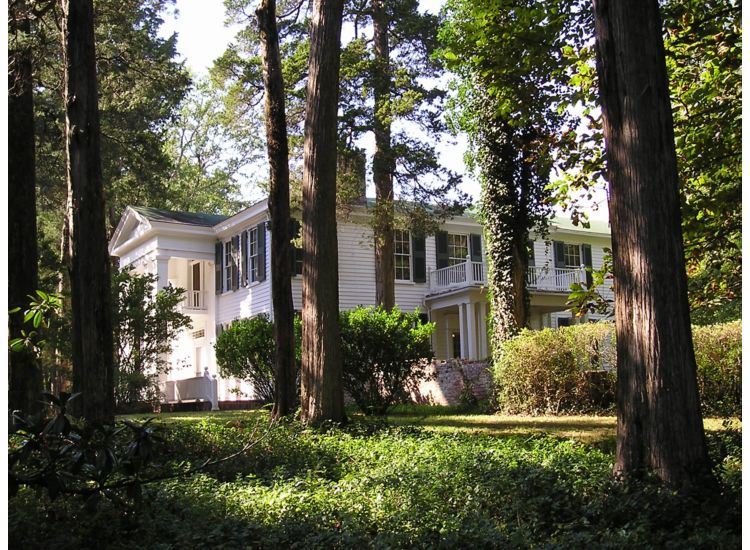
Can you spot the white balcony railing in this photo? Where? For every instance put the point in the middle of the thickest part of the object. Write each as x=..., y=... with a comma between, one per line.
x=554, y=279
x=194, y=299
x=464, y=274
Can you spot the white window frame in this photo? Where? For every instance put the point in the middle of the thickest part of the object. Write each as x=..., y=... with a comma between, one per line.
x=228, y=265
x=252, y=252
x=403, y=271
x=573, y=251
x=455, y=247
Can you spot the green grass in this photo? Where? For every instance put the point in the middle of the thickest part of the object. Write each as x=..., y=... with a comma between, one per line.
x=585, y=428
x=423, y=480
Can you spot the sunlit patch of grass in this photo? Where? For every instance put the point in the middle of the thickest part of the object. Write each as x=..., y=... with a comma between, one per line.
x=587, y=429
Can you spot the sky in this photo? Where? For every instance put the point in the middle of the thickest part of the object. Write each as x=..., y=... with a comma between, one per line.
x=202, y=37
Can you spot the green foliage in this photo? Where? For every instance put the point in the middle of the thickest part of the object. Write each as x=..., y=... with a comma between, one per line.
x=385, y=352
x=144, y=327
x=557, y=371
x=585, y=298
x=209, y=153
x=93, y=462
x=703, y=46
x=246, y=350
x=718, y=354
x=43, y=308
x=374, y=486
x=572, y=369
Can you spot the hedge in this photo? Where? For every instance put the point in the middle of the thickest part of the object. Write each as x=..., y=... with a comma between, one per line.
x=573, y=370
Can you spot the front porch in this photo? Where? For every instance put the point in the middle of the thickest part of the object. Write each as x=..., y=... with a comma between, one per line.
x=457, y=303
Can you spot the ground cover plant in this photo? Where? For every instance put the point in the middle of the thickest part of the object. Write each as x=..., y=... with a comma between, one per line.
x=374, y=484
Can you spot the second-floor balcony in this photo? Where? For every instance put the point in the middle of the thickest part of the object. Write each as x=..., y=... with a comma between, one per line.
x=554, y=279
x=195, y=300
x=468, y=273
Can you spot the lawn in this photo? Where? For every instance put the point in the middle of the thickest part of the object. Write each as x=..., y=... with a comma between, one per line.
x=425, y=479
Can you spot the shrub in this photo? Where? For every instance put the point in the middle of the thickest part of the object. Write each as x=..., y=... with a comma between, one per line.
x=384, y=353
x=554, y=371
x=573, y=369
x=246, y=350
x=718, y=354
x=144, y=328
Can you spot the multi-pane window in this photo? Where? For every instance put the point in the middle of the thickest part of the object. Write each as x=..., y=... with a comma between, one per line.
x=402, y=255
x=252, y=243
x=228, y=265
x=458, y=248
x=572, y=255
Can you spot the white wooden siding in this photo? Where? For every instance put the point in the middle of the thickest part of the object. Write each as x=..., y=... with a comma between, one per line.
x=250, y=300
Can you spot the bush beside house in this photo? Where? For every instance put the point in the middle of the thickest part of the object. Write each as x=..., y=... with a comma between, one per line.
x=385, y=352
x=573, y=370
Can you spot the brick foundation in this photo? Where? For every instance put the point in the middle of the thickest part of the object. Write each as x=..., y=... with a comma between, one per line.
x=448, y=380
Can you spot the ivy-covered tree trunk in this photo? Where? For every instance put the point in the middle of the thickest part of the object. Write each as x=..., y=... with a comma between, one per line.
x=382, y=163
x=90, y=262
x=322, y=370
x=285, y=386
x=659, y=425
x=25, y=383
x=499, y=216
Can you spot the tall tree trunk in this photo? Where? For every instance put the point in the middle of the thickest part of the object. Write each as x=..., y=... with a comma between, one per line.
x=90, y=263
x=322, y=387
x=498, y=211
x=285, y=387
x=25, y=382
x=382, y=164
x=659, y=425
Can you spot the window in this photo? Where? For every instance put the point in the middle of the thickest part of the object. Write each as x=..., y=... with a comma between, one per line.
x=458, y=248
x=402, y=255
x=252, y=243
x=228, y=265
x=572, y=255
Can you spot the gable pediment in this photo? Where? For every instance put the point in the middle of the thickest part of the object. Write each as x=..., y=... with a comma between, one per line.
x=131, y=230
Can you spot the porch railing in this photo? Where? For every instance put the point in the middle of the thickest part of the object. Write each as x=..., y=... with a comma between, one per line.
x=464, y=274
x=194, y=299
x=554, y=279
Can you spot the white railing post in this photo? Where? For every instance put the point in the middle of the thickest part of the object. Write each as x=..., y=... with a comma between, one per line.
x=469, y=274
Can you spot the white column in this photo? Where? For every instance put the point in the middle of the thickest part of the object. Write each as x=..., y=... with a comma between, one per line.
x=471, y=331
x=482, y=330
x=462, y=328
x=162, y=272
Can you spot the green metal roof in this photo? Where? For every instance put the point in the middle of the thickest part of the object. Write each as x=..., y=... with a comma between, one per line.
x=188, y=218
x=595, y=225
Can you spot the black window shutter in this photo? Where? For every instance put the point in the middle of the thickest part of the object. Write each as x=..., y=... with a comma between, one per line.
x=244, y=261
x=218, y=261
x=418, y=260
x=586, y=256
x=441, y=249
x=235, y=262
x=475, y=247
x=559, y=249
x=532, y=260
x=261, y=251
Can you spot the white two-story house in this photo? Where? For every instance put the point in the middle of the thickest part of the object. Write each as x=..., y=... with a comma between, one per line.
x=224, y=264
